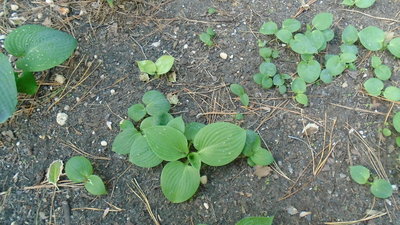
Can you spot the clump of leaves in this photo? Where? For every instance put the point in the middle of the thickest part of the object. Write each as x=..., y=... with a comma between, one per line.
x=359, y=3
x=37, y=48
x=380, y=188
x=162, y=66
x=239, y=91
x=208, y=36
x=186, y=146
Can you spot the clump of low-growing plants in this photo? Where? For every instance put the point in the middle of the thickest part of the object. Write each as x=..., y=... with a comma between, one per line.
x=239, y=91
x=162, y=66
x=158, y=137
x=380, y=188
x=359, y=3
x=37, y=48
x=208, y=37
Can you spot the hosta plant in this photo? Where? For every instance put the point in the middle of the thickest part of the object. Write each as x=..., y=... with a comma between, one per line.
x=184, y=146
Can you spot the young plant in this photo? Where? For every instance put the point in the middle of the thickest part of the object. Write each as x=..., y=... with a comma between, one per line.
x=359, y=3
x=162, y=66
x=380, y=188
x=80, y=170
x=161, y=137
x=239, y=91
x=256, y=221
x=208, y=36
x=37, y=48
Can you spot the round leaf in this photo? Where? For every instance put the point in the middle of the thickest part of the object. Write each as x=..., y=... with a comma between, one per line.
x=269, y=28
x=262, y=157
x=345, y=48
x=364, y=3
x=265, y=52
x=141, y=154
x=156, y=103
x=359, y=174
x=396, y=122
x=284, y=35
x=386, y=132
x=267, y=82
x=258, y=78
x=317, y=39
x=124, y=140
x=309, y=71
x=383, y=72
x=373, y=86
x=381, y=188
x=192, y=129
x=206, y=39
x=291, y=25
x=179, y=182
x=299, y=86
x=347, y=57
x=95, y=186
x=147, y=66
x=256, y=221
x=78, y=169
x=237, y=89
x=325, y=76
x=394, y=47
x=328, y=34
x=268, y=68
x=350, y=35
x=302, y=99
x=278, y=80
x=8, y=89
x=136, y=112
x=219, y=143
x=322, y=21
x=372, y=38
x=177, y=123
x=335, y=66
x=375, y=61
x=302, y=45
x=282, y=89
x=164, y=64
x=392, y=93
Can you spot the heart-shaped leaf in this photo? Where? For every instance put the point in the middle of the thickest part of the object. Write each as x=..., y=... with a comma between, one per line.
x=284, y=35
x=8, y=89
x=347, y=57
x=299, y=86
x=164, y=64
x=265, y=52
x=78, y=169
x=141, y=154
x=345, y=48
x=192, y=129
x=256, y=221
x=383, y=72
x=95, y=185
x=179, y=181
x=278, y=80
x=381, y=188
x=258, y=78
x=267, y=82
x=302, y=99
x=372, y=38
x=317, y=38
x=291, y=25
x=350, y=35
x=302, y=45
x=396, y=122
x=373, y=86
x=147, y=66
x=156, y=103
x=360, y=174
x=137, y=112
x=268, y=68
x=262, y=157
x=206, y=39
x=325, y=76
x=219, y=143
x=392, y=93
x=38, y=47
x=329, y=34
x=394, y=47
x=177, y=123
x=322, y=21
x=364, y=3
x=124, y=140
x=309, y=70
x=237, y=89
x=269, y=28
x=335, y=66
x=26, y=83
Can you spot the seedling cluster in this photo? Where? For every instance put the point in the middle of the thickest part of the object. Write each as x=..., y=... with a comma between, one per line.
x=239, y=91
x=162, y=66
x=208, y=36
x=380, y=188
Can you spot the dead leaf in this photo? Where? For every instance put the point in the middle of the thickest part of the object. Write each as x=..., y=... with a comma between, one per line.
x=310, y=129
x=303, y=213
x=144, y=77
x=246, y=194
x=173, y=99
x=262, y=171
x=172, y=77
x=106, y=211
x=203, y=179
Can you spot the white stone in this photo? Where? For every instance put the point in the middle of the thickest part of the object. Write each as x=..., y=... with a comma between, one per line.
x=223, y=55
x=156, y=44
x=14, y=7
x=112, y=92
x=103, y=143
x=206, y=205
x=62, y=118
x=59, y=79
x=185, y=46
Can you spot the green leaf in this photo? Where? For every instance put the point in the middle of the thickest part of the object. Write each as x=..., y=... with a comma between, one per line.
x=192, y=129
x=206, y=39
x=386, y=132
x=373, y=86
x=392, y=93
x=360, y=174
x=347, y=57
x=219, y=143
x=275, y=54
x=211, y=10
x=372, y=38
x=268, y=68
x=398, y=141
x=350, y=35
x=179, y=182
x=307, y=57
x=265, y=52
x=194, y=160
x=291, y=25
x=348, y=2
x=322, y=21
x=137, y=112
x=156, y=103
x=126, y=124
x=54, y=171
x=267, y=82
x=262, y=157
x=335, y=66
x=26, y=83
x=329, y=34
x=95, y=185
x=375, y=61
x=166, y=142
x=244, y=99
x=383, y=72
x=278, y=80
x=252, y=142
x=345, y=48
x=269, y=28
x=78, y=169
x=325, y=76
x=394, y=47
x=237, y=89
x=317, y=38
x=152, y=121
x=381, y=188
x=239, y=116
x=110, y=3
x=210, y=32
x=396, y=122
x=8, y=89
x=256, y=221
x=302, y=99
x=124, y=140
x=298, y=86
x=177, y=123
x=147, y=66
x=284, y=35
x=258, y=78
x=309, y=71
x=38, y=47
x=282, y=89
x=164, y=64
x=302, y=45
x=141, y=154
x=364, y=3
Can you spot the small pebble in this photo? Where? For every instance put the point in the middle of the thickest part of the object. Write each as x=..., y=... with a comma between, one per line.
x=292, y=210
x=59, y=79
x=66, y=108
x=156, y=44
x=206, y=205
x=185, y=46
x=103, y=143
x=14, y=7
x=223, y=55
x=112, y=92
x=203, y=180
x=345, y=85
x=108, y=123
x=62, y=118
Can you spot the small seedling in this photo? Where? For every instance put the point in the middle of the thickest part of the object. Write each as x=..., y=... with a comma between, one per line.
x=80, y=170
x=208, y=36
x=54, y=172
x=256, y=221
x=380, y=188
x=110, y=3
x=211, y=11
x=359, y=3
x=162, y=66
x=239, y=91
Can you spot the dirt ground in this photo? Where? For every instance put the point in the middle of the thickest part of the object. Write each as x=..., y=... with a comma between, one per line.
x=309, y=184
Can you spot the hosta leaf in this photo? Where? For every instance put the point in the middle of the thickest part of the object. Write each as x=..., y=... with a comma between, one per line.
x=164, y=64
x=54, y=171
x=256, y=221
x=8, y=89
x=268, y=68
x=394, y=47
x=194, y=160
x=372, y=38
x=302, y=45
x=147, y=66
x=237, y=89
x=298, y=86
x=177, y=123
x=219, y=143
x=156, y=103
x=381, y=188
x=152, y=121
x=124, y=140
x=284, y=35
x=253, y=142
x=78, y=169
x=291, y=25
x=350, y=35
x=166, y=142
x=373, y=86
x=392, y=93
x=364, y=3
x=95, y=185
x=269, y=28
x=322, y=21
x=359, y=174
x=192, y=129
x=396, y=122
x=179, y=182
x=137, y=112
x=309, y=71
x=26, y=83
x=383, y=72
x=141, y=154
x=39, y=48
x=302, y=99
x=335, y=66
x=262, y=157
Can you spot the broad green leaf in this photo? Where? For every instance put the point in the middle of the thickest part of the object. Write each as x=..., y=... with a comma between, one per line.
x=141, y=154
x=386, y=132
x=345, y=48
x=258, y=78
x=265, y=52
x=298, y=86
x=372, y=38
x=253, y=142
x=164, y=64
x=322, y=21
x=179, y=182
x=282, y=89
x=309, y=71
x=302, y=45
x=396, y=122
x=325, y=76
x=262, y=157
x=383, y=72
x=54, y=171
x=256, y=221
x=192, y=129
x=392, y=93
x=237, y=89
x=38, y=47
x=302, y=99
x=137, y=112
x=347, y=57
x=78, y=169
x=291, y=25
x=152, y=121
x=177, y=123
x=156, y=103
x=375, y=61
x=269, y=28
x=210, y=32
x=398, y=141
x=166, y=142
x=350, y=35
x=381, y=188
x=284, y=35
x=250, y=163
x=268, y=68
x=126, y=124
x=335, y=66
x=147, y=66
x=267, y=82
x=360, y=174
x=348, y=2
x=394, y=47
x=206, y=39
x=26, y=83
x=373, y=86
x=244, y=99
x=211, y=10
x=124, y=140
x=329, y=34
x=194, y=160
x=364, y=3
x=219, y=143
x=317, y=38
x=278, y=80
x=95, y=185
x=8, y=89
x=307, y=57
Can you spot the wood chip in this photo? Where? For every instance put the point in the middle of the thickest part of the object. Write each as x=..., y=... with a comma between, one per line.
x=262, y=171
x=310, y=129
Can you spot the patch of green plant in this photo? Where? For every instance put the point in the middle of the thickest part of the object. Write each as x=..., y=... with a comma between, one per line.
x=110, y=3
x=211, y=11
x=208, y=36
x=186, y=146
x=239, y=91
x=380, y=188
x=162, y=66
x=37, y=48
x=359, y=3
x=80, y=170
x=256, y=221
